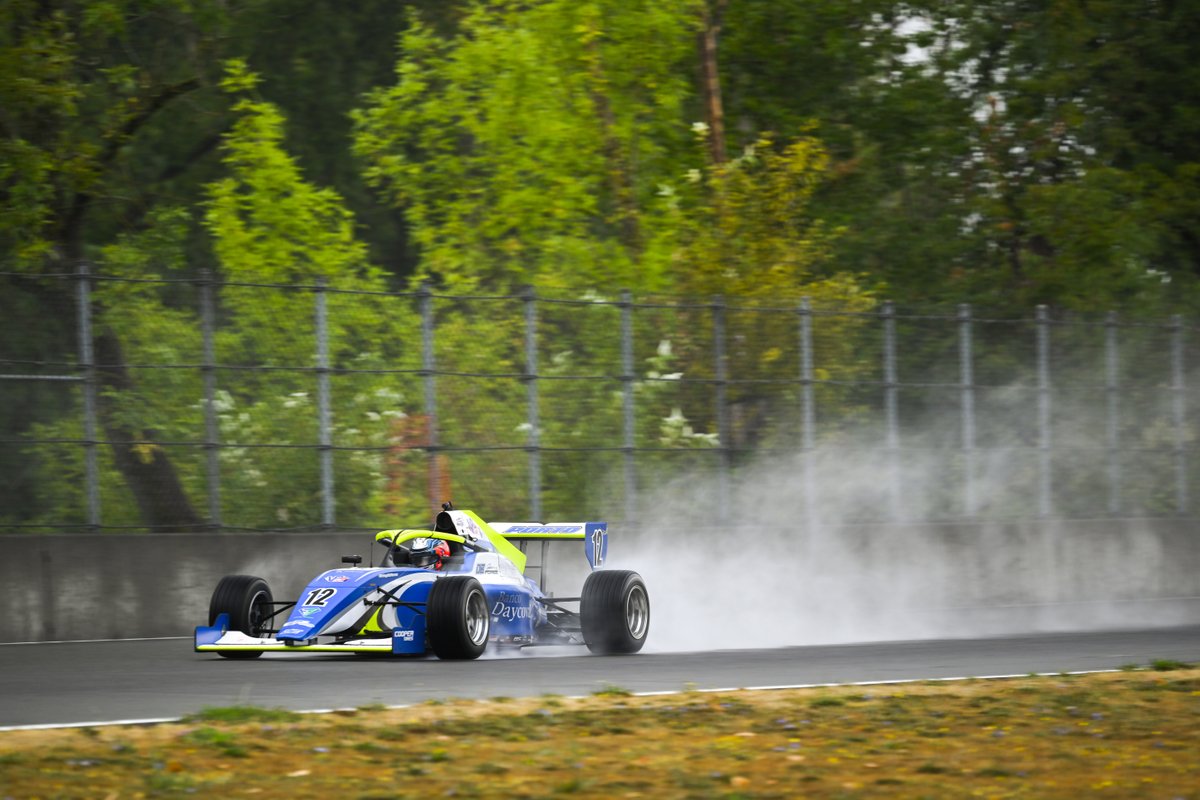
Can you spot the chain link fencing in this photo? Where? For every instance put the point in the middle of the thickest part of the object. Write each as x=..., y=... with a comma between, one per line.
x=203, y=404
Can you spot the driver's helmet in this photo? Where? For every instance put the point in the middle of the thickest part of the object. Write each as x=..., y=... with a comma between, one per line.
x=429, y=553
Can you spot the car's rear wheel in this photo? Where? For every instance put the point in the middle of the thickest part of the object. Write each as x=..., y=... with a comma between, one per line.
x=248, y=602
x=614, y=612
x=457, y=618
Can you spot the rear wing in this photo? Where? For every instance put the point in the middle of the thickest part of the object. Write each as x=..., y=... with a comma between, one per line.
x=501, y=535
x=593, y=534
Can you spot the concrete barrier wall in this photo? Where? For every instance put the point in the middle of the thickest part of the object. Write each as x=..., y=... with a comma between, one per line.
x=965, y=580
x=80, y=586
x=108, y=586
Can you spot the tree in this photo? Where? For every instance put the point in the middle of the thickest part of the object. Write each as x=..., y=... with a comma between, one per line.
x=845, y=74
x=74, y=106
x=549, y=144
x=110, y=122
x=270, y=225
x=529, y=147
x=1079, y=136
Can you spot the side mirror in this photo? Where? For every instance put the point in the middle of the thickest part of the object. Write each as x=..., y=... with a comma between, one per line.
x=351, y=559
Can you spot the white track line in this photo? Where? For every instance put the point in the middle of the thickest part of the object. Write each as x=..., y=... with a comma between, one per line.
x=658, y=693
x=47, y=726
x=94, y=641
x=893, y=682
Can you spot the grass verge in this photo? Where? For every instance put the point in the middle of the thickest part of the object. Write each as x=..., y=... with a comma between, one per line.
x=1126, y=734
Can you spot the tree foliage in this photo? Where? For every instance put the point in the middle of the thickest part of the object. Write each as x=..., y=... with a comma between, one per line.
x=1003, y=153
x=528, y=148
x=81, y=86
x=1078, y=134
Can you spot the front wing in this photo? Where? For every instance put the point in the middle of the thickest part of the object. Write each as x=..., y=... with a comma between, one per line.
x=217, y=638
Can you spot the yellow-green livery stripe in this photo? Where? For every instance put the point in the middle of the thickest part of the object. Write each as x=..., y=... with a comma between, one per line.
x=502, y=545
x=405, y=534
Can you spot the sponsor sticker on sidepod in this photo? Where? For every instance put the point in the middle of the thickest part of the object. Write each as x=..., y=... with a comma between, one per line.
x=511, y=606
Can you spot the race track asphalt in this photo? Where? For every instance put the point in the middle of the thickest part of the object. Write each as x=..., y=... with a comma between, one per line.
x=82, y=682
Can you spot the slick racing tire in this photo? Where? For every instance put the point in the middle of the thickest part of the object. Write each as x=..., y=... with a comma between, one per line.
x=248, y=602
x=457, y=618
x=614, y=612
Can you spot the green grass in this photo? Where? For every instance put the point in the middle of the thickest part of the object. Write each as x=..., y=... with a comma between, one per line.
x=904, y=741
x=825, y=702
x=372, y=707
x=238, y=714
x=224, y=741
x=162, y=785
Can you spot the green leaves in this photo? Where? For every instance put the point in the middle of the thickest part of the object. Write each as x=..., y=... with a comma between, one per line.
x=1079, y=127
x=528, y=148
x=238, y=77
x=267, y=222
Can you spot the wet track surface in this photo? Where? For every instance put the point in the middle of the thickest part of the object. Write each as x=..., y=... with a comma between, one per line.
x=74, y=682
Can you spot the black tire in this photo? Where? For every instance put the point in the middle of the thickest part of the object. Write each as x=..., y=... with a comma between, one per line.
x=248, y=602
x=614, y=612
x=457, y=618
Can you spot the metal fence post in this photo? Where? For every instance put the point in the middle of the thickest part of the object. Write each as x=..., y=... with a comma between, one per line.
x=534, y=443
x=87, y=361
x=723, y=437
x=967, y=397
x=807, y=410
x=1111, y=387
x=428, y=367
x=1045, y=479
x=891, y=409
x=628, y=421
x=323, y=414
x=211, y=430
x=1178, y=412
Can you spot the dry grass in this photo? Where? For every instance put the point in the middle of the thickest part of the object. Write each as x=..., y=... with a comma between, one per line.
x=1130, y=734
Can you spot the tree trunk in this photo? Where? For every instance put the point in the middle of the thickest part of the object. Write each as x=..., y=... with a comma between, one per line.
x=620, y=181
x=147, y=469
x=712, y=81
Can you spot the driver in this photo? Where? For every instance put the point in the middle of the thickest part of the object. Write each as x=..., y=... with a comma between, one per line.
x=429, y=553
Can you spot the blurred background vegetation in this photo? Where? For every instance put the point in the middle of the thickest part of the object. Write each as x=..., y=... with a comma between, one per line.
x=1004, y=153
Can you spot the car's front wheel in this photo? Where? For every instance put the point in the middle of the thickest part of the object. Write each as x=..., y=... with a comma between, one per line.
x=457, y=618
x=248, y=602
x=614, y=612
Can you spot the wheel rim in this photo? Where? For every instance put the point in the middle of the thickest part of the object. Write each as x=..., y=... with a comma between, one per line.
x=258, y=613
x=476, y=618
x=637, y=612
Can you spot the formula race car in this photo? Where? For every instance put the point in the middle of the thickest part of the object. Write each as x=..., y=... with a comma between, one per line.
x=452, y=590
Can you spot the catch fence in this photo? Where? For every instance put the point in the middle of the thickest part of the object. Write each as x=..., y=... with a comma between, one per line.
x=175, y=404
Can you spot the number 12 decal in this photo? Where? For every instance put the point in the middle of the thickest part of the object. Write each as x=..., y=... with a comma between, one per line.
x=319, y=597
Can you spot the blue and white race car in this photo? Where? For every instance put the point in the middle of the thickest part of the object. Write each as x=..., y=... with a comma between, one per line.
x=452, y=591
